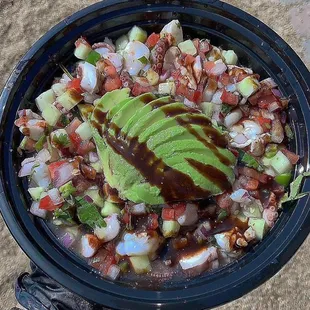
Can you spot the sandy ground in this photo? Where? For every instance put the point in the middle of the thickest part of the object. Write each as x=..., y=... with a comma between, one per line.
x=23, y=22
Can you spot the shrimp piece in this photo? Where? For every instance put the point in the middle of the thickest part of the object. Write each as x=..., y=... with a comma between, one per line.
x=109, y=232
x=174, y=31
x=90, y=245
x=136, y=244
x=89, y=77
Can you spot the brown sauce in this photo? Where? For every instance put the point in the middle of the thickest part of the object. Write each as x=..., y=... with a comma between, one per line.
x=215, y=175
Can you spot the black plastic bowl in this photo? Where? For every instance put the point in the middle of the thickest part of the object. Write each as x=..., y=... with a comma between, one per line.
x=258, y=47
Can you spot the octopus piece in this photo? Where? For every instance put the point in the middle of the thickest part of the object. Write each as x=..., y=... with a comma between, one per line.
x=126, y=79
x=226, y=240
x=270, y=215
x=158, y=54
x=136, y=54
x=173, y=31
x=170, y=59
x=89, y=77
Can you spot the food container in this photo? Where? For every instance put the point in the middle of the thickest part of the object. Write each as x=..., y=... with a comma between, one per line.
x=257, y=46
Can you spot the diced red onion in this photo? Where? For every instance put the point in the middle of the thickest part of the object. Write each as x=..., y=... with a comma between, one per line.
x=35, y=210
x=27, y=160
x=241, y=196
x=26, y=169
x=63, y=174
x=113, y=272
x=240, y=138
x=90, y=98
x=29, y=113
x=217, y=97
x=276, y=92
x=232, y=118
x=268, y=83
x=43, y=156
x=274, y=106
x=231, y=88
x=67, y=239
x=138, y=209
x=93, y=157
x=189, y=103
x=88, y=198
x=55, y=196
x=41, y=175
x=218, y=69
x=243, y=101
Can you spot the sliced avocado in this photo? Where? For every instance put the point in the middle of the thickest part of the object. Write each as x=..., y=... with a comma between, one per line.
x=117, y=107
x=108, y=101
x=155, y=116
x=146, y=109
x=171, y=148
x=131, y=108
x=144, y=192
x=85, y=110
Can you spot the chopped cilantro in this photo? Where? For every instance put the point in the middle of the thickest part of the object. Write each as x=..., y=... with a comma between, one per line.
x=143, y=60
x=61, y=140
x=250, y=161
x=226, y=109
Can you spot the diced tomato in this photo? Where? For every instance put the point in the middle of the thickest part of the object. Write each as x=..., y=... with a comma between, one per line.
x=224, y=201
x=85, y=147
x=208, y=66
x=112, y=83
x=242, y=76
x=256, y=97
x=81, y=40
x=265, y=101
x=110, y=71
x=46, y=203
x=189, y=59
x=152, y=40
x=126, y=218
x=152, y=221
x=265, y=178
x=224, y=79
x=75, y=139
x=229, y=98
x=103, y=260
x=54, y=166
x=264, y=122
x=292, y=157
x=179, y=209
x=73, y=125
x=249, y=184
x=190, y=94
x=139, y=89
x=75, y=84
x=168, y=214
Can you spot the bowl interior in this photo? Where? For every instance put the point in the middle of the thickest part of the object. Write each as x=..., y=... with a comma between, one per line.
x=224, y=28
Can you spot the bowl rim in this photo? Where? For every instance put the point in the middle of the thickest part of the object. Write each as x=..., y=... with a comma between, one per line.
x=284, y=251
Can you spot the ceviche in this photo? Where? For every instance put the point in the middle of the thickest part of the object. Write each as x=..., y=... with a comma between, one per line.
x=157, y=157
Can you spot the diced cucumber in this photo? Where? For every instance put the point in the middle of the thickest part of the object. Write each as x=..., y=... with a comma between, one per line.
x=59, y=89
x=121, y=42
x=248, y=86
x=187, y=47
x=167, y=88
x=207, y=108
x=137, y=34
x=82, y=51
x=97, y=166
x=110, y=208
x=283, y=179
x=241, y=217
x=170, y=228
x=51, y=114
x=252, y=210
x=40, y=143
x=260, y=227
x=140, y=264
x=35, y=192
x=266, y=161
x=280, y=163
x=46, y=99
x=93, y=57
x=84, y=131
x=67, y=189
x=70, y=99
x=230, y=57
x=95, y=196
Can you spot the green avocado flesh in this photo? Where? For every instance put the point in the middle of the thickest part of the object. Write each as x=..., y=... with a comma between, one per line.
x=155, y=150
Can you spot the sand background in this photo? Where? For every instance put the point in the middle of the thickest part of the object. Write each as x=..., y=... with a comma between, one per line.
x=22, y=22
